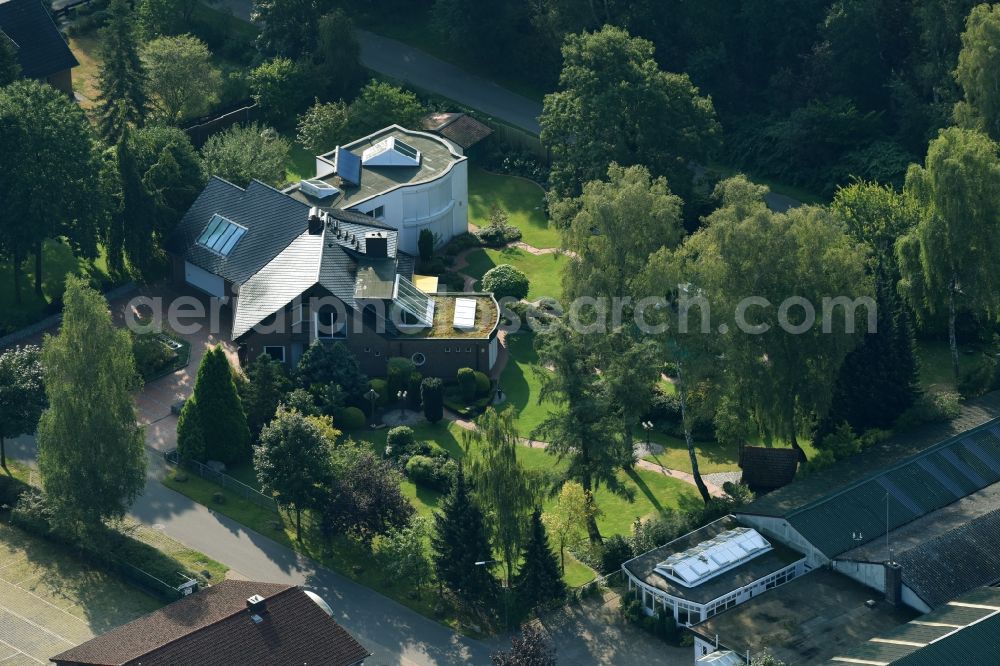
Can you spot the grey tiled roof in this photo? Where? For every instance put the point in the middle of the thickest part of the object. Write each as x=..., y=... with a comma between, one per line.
x=955, y=562
x=273, y=220
x=41, y=50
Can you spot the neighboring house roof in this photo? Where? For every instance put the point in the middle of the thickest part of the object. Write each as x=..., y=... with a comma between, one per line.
x=438, y=156
x=805, y=621
x=41, y=49
x=643, y=567
x=964, y=632
x=766, y=468
x=459, y=128
x=272, y=220
x=214, y=627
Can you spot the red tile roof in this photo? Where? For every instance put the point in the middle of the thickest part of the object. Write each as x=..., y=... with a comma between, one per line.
x=214, y=627
x=460, y=128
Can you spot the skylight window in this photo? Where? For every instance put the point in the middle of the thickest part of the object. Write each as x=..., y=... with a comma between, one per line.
x=710, y=558
x=390, y=151
x=221, y=235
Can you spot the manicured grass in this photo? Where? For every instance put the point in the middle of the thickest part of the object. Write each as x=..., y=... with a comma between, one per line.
x=521, y=382
x=935, y=363
x=712, y=456
x=58, y=261
x=544, y=271
x=301, y=163
x=84, y=47
x=523, y=200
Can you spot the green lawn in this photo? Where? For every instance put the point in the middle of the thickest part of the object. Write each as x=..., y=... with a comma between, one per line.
x=935, y=363
x=521, y=382
x=301, y=163
x=523, y=200
x=58, y=261
x=544, y=271
x=712, y=456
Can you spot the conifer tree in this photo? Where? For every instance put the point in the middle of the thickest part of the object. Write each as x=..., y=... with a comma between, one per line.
x=538, y=582
x=122, y=77
x=10, y=67
x=460, y=541
x=90, y=449
x=212, y=425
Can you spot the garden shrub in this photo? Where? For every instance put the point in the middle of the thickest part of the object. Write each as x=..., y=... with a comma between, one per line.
x=616, y=551
x=461, y=242
x=483, y=384
x=505, y=281
x=980, y=379
x=151, y=355
x=425, y=244
x=400, y=440
x=381, y=387
x=930, y=407
x=434, y=473
x=499, y=232
x=11, y=489
x=432, y=398
x=413, y=390
x=467, y=384
x=350, y=419
x=398, y=371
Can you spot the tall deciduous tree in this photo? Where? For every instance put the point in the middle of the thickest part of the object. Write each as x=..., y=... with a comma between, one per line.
x=321, y=127
x=530, y=648
x=614, y=104
x=44, y=139
x=784, y=349
x=581, y=429
x=402, y=553
x=978, y=63
x=337, y=57
x=90, y=448
x=157, y=18
x=539, y=581
x=212, y=424
x=122, y=78
x=180, y=77
x=567, y=520
x=502, y=486
x=293, y=462
x=287, y=27
x=460, y=541
x=947, y=261
x=381, y=104
x=22, y=394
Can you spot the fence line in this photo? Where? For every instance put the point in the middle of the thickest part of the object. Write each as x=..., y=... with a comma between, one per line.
x=219, y=478
x=243, y=115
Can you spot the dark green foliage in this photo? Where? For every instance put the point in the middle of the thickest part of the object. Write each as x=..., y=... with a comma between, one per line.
x=467, y=384
x=122, y=77
x=336, y=59
x=11, y=489
x=459, y=541
x=413, y=391
x=539, y=581
x=398, y=371
x=425, y=244
x=400, y=439
x=364, y=498
x=133, y=233
x=350, y=419
x=263, y=391
x=530, y=648
x=323, y=126
x=244, y=153
x=22, y=395
x=505, y=281
x=45, y=138
x=382, y=104
x=326, y=364
x=293, y=462
x=616, y=550
x=282, y=88
x=659, y=530
x=10, y=67
x=212, y=425
x=432, y=398
x=288, y=27
x=437, y=473
x=381, y=387
x=483, y=384
x=164, y=17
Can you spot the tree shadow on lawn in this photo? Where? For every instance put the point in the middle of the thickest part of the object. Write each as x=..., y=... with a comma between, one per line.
x=644, y=489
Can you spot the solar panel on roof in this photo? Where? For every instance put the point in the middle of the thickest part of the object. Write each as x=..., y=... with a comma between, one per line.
x=221, y=235
x=348, y=166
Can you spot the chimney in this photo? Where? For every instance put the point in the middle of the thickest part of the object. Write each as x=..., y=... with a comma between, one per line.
x=894, y=583
x=376, y=245
x=256, y=605
x=315, y=222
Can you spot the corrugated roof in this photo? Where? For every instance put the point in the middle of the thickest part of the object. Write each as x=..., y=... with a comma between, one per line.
x=272, y=219
x=912, y=488
x=214, y=627
x=938, y=637
x=41, y=49
x=816, y=486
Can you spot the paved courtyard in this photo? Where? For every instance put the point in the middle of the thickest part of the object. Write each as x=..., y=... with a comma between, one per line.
x=50, y=602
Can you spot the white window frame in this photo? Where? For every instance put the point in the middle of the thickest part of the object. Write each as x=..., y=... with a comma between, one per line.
x=281, y=347
x=338, y=334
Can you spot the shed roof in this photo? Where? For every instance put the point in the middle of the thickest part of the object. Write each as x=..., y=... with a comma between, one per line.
x=459, y=128
x=214, y=627
x=41, y=49
x=767, y=468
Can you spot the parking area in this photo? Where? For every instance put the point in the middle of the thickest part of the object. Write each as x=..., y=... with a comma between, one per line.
x=50, y=602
